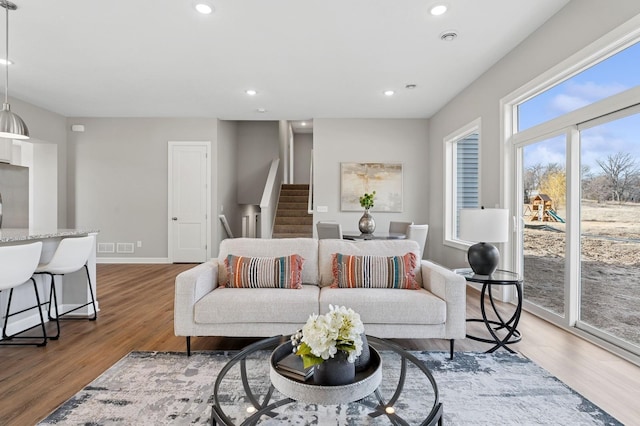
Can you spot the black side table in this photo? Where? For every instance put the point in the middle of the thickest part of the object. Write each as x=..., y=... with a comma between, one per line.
x=498, y=278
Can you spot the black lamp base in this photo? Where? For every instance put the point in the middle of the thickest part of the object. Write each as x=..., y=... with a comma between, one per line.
x=483, y=258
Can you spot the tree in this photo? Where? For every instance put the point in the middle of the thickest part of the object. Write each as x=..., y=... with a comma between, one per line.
x=621, y=172
x=554, y=184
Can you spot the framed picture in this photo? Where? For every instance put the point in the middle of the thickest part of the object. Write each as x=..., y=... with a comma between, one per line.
x=358, y=178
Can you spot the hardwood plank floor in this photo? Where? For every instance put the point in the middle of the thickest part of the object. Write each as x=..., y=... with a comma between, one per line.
x=136, y=303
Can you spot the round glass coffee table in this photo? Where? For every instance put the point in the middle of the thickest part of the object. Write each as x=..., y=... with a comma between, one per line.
x=244, y=395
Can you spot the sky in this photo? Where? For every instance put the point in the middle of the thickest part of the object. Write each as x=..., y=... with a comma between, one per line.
x=614, y=75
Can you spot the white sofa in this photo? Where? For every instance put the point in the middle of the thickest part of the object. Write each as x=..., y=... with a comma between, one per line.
x=202, y=308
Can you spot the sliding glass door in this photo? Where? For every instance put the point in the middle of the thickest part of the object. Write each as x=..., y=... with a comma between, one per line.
x=543, y=195
x=610, y=227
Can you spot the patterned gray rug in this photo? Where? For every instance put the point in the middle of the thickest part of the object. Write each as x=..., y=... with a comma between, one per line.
x=155, y=388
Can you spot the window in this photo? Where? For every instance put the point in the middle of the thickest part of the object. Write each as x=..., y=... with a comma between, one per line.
x=577, y=164
x=607, y=78
x=462, y=152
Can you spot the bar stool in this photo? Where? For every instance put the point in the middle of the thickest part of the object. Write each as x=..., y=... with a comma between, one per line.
x=71, y=255
x=17, y=265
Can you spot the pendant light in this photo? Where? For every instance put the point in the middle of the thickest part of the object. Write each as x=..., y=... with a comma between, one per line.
x=11, y=125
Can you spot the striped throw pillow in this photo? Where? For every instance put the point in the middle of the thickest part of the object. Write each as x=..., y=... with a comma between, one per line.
x=264, y=272
x=374, y=271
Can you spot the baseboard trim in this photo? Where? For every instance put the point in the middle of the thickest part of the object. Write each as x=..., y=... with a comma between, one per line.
x=141, y=260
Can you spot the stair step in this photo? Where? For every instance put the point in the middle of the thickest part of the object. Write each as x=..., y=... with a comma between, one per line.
x=294, y=192
x=292, y=206
x=295, y=186
x=293, y=199
x=292, y=228
x=294, y=220
x=292, y=235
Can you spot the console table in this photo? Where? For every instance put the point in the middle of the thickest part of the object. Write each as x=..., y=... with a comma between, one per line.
x=498, y=278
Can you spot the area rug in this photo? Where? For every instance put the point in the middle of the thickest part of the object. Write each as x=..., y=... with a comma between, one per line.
x=155, y=388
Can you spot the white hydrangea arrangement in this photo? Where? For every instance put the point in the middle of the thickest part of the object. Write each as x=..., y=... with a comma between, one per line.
x=324, y=335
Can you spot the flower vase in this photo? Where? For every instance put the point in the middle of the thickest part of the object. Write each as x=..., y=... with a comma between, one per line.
x=366, y=224
x=335, y=371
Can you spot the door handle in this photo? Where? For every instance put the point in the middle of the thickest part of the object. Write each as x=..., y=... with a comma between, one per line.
x=174, y=218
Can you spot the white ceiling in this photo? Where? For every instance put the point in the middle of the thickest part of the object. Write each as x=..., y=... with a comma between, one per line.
x=307, y=59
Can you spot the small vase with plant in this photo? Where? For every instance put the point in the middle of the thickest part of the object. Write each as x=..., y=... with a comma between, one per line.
x=331, y=343
x=366, y=224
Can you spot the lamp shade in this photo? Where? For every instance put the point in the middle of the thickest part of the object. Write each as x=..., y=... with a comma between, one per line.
x=11, y=125
x=484, y=225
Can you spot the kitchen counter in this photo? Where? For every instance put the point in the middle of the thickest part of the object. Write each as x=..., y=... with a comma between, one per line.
x=11, y=235
x=73, y=293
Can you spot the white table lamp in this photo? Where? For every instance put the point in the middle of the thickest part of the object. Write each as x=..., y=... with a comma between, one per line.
x=484, y=226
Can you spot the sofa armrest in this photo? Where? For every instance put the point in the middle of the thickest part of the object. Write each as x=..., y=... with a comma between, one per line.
x=452, y=288
x=191, y=285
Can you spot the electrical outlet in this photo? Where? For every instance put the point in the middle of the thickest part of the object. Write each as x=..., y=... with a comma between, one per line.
x=139, y=244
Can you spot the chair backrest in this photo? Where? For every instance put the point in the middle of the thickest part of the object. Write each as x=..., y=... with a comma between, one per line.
x=329, y=230
x=418, y=233
x=399, y=227
x=71, y=255
x=18, y=263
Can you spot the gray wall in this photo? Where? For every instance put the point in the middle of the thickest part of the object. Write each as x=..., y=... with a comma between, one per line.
x=371, y=141
x=227, y=179
x=258, y=145
x=574, y=27
x=14, y=189
x=118, y=178
x=302, y=147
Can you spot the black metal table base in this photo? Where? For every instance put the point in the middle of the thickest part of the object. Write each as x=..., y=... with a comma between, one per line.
x=494, y=326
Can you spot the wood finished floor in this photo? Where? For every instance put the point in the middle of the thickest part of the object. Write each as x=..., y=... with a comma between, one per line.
x=136, y=303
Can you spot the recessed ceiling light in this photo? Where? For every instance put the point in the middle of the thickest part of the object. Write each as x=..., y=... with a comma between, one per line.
x=449, y=35
x=304, y=123
x=261, y=110
x=4, y=62
x=438, y=10
x=203, y=7
x=251, y=92
x=389, y=92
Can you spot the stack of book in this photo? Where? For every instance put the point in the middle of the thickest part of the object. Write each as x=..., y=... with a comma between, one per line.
x=291, y=366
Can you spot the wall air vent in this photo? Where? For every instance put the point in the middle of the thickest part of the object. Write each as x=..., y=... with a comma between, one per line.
x=106, y=248
x=124, y=248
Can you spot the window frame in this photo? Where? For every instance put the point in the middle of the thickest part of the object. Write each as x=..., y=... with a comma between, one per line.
x=450, y=192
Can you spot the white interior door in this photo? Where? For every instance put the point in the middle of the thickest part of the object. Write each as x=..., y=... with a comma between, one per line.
x=189, y=206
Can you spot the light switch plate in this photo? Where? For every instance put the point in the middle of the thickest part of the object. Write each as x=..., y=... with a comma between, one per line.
x=322, y=209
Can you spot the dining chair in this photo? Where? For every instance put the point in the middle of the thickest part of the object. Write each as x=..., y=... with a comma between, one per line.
x=329, y=230
x=71, y=255
x=17, y=265
x=399, y=227
x=418, y=233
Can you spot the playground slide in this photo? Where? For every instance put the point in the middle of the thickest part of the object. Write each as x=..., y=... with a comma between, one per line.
x=554, y=215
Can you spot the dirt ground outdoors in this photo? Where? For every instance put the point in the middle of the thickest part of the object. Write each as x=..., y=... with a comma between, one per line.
x=610, y=272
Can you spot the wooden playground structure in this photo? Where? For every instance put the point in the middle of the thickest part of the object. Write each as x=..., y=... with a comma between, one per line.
x=541, y=210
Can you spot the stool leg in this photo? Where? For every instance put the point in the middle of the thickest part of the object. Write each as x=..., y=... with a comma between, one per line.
x=6, y=317
x=38, y=306
x=44, y=331
x=53, y=296
x=93, y=299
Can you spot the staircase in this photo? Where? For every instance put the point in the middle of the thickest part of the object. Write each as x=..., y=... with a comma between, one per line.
x=292, y=219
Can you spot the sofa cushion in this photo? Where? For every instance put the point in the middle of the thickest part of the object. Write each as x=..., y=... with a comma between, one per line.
x=327, y=248
x=264, y=272
x=246, y=305
x=259, y=247
x=374, y=271
x=387, y=306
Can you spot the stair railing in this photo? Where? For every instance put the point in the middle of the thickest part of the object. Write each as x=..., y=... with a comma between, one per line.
x=269, y=195
x=310, y=200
